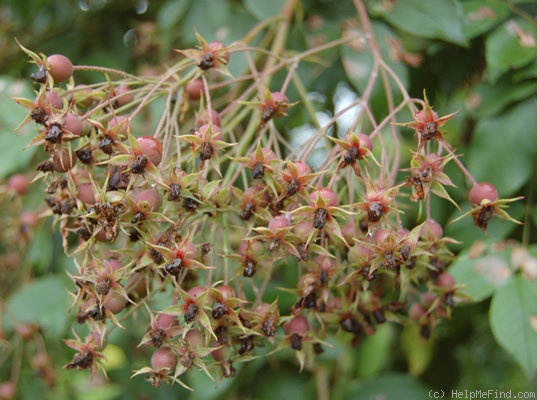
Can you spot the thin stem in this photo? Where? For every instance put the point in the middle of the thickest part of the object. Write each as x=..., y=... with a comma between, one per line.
x=289, y=76
x=105, y=70
x=459, y=164
x=207, y=95
x=526, y=230
x=322, y=379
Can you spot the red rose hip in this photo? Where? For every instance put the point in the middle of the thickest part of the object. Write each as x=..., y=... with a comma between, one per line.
x=298, y=324
x=162, y=359
x=445, y=280
x=194, y=89
x=60, y=67
x=19, y=183
x=151, y=148
x=483, y=191
x=431, y=230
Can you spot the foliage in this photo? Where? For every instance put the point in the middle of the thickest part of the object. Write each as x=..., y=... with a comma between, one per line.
x=349, y=246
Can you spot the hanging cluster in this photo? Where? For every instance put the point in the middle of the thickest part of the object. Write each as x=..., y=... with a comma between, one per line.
x=210, y=213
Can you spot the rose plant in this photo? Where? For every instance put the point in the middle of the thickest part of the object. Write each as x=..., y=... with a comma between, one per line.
x=209, y=208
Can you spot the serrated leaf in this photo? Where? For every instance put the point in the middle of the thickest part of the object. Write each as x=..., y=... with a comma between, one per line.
x=506, y=49
x=512, y=311
x=432, y=19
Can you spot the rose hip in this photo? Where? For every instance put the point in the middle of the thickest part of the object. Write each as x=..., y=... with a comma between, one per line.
x=298, y=324
x=8, y=390
x=227, y=291
x=445, y=280
x=483, y=191
x=72, y=124
x=123, y=95
x=19, y=183
x=60, y=67
x=85, y=193
x=278, y=222
x=207, y=116
x=365, y=141
x=49, y=100
x=163, y=359
x=151, y=196
x=114, y=302
x=166, y=321
x=431, y=230
x=120, y=125
x=196, y=291
x=328, y=195
x=151, y=148
x=194, y=89
x=416, y=311
x=64, y=159
x=29, y=219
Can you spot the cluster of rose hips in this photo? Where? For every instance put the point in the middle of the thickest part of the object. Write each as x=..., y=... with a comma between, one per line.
x=213, y=211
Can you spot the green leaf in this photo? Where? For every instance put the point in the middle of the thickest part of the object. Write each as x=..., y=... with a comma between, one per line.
x=100, y=391
x=264, y=9
x=12, y=156
x=480, y=16
x=418, y=350
x=528, y=72
x=388, y=387
x=494, y=98
x=505, y=49
x=44, y=301
x=206, y=23
x=432, y=19
x=281, y=383
x=171, y=13
x=480, y=275
x=41, y=248
x=375, y=351
x=206, y=389
x=513, y=315
x=503, y=148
